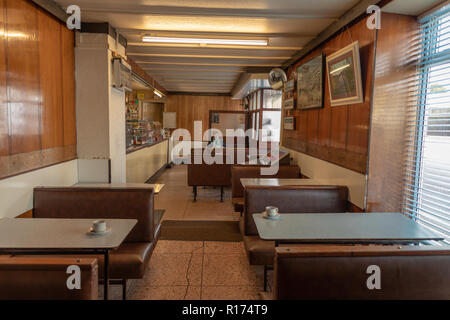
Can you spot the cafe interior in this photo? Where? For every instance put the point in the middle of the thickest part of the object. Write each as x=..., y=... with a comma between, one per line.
x=328, y=123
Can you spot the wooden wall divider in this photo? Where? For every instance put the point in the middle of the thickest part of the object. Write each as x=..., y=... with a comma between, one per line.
x=37, y=83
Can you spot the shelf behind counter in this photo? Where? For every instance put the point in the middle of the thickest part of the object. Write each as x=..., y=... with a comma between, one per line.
x=146, y=160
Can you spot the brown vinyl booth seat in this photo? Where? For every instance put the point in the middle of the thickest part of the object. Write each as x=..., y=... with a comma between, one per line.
x=288, y=199
x=219, y=174
x=130, y=260
x=201, y=173
x=42, y=278
x=340, y=272
x=254, y=171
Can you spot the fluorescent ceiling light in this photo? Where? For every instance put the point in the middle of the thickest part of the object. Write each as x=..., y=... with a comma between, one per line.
x=205, y=41
x=157, y=93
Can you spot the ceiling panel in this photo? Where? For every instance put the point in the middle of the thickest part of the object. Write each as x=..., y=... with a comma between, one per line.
x=287, y=25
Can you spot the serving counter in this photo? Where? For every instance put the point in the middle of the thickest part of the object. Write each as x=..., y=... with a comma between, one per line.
x=146, y=160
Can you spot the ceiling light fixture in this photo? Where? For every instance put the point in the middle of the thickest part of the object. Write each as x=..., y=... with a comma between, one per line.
x=157, y=93
x=206, y=41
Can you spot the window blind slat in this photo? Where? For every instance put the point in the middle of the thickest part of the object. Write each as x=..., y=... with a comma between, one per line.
x=427, y=128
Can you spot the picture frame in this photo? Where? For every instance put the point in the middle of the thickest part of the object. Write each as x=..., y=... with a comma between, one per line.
x=288, y=104
x=344, y=76
x=310, y=77
x=289, y=123
x=289, y=85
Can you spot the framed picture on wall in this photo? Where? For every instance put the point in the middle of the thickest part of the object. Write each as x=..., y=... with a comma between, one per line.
x=288, y=104
x=310, y=83
x=289, y=123
x=289, y=85
x=344, y=76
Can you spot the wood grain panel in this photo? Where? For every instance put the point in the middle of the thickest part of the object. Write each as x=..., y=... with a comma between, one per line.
x=68, y=86
x=37, y=89
x=23, y=90
x=190, y=108
x=337, y=134
x=4, y=118
x=393, y=94
x=50, y=81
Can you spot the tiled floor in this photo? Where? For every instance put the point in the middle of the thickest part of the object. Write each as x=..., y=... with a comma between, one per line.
x=195, y=269
x=177, y=199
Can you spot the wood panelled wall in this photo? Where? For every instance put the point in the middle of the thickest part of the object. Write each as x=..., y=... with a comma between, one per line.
x=37, y=84
x=393, y=94
x=337, y=134
x=190, y=108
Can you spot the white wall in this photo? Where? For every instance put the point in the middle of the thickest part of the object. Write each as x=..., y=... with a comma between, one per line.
x=117, y=143
x=100, y=108
x=317, y=169
x=16, y=193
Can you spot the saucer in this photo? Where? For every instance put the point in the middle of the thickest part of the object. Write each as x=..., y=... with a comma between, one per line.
x=92, y=232
x=275, y=217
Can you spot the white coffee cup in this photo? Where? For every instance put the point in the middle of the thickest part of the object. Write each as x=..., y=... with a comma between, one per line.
x=99, y=226
x=271, y=211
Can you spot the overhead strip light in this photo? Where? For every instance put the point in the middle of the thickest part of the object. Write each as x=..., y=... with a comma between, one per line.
x=157, y=93
x=248, y=42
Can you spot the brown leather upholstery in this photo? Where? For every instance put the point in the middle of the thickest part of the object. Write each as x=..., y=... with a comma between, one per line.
x=340, y=272
x=288, y=199
x=95, y=203
x=293, y=199
x=130, y=260
x=45, y=278
x=204, y=174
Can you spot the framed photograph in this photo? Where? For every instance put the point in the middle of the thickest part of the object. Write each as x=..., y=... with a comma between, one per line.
x=288, y=104
x=289, y=85
x=310, y=84
x=344, y=76
x=289, y=123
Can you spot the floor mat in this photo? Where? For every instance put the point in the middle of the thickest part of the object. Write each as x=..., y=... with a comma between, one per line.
x=200, y=230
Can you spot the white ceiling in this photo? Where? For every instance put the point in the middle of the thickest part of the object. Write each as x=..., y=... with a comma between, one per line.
x=286, y=24
x=411, y=7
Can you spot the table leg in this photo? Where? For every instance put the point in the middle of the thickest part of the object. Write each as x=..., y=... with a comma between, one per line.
x=106, y=275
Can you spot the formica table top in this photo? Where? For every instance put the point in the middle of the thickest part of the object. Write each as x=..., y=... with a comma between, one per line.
x=60, y=234
x=343, y=227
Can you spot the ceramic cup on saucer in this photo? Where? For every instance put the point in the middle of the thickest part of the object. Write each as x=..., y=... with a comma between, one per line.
x=271, y=211
x=99, y=226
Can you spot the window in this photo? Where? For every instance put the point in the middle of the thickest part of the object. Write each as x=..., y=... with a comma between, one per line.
x=427, y=196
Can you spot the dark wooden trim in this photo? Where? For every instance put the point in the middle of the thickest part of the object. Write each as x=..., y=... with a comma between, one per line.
x=14, y=165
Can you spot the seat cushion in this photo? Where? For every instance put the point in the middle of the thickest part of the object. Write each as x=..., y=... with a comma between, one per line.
x=129, y=261
x=259, y=252
x=238, y=204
